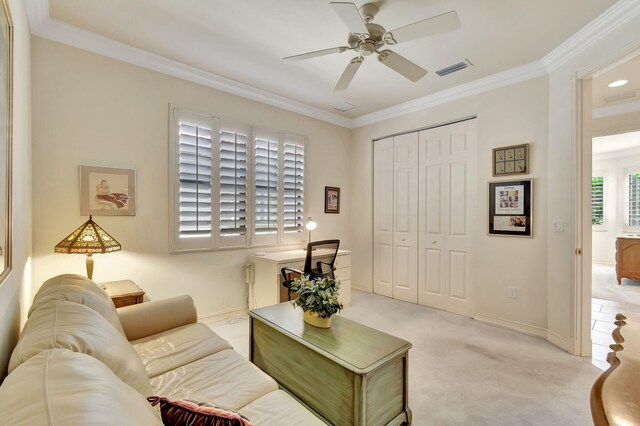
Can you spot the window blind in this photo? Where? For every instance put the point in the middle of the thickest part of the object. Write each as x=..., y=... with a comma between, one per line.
x=293, y=171
x=194, y=169
x=233, y=183
x=632, y=198
x=597, y=200
x=266, y=186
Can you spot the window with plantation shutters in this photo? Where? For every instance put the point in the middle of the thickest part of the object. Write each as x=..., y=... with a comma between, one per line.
x=293, y=170
x=194, y=168
x=266, y=185
x=234, y=185
x=597, y=202
x=632, y=198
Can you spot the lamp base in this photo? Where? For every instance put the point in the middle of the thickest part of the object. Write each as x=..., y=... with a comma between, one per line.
x=89, y=266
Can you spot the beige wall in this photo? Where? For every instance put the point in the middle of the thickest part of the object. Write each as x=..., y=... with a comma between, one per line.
x=93, y=110
x=18, y=281
x=506, y=116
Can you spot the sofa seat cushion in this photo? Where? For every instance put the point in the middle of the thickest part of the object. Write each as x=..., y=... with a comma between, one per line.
x=67, y=325
x=225, y=379
x=174, y=348
x=59, y=387
x=78, y=289
x=279, y=408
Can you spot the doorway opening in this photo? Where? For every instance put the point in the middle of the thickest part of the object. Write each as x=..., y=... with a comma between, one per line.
x=615, y=201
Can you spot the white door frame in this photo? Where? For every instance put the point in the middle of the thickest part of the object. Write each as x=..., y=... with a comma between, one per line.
x=582, y=164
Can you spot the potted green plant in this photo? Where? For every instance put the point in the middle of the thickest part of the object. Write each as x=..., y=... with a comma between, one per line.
x=318, y=299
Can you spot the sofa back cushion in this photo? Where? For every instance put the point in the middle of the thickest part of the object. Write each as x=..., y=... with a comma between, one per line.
x=69, y=325
x=58, y=387
x=78, y=289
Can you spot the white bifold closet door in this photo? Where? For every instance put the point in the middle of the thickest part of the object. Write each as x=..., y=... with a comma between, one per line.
x=446, y=207
x=383, y=217
x=424, y=200
x=405, y=217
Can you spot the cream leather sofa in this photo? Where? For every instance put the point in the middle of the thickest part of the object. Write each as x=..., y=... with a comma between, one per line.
x=79, y=361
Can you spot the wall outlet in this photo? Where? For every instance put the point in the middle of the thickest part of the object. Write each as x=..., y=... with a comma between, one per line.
x=512, y=292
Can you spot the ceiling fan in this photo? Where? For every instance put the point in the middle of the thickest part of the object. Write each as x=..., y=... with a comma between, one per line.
x=367, y=38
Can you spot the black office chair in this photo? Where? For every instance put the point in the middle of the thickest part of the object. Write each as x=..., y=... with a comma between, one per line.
x=319, y=263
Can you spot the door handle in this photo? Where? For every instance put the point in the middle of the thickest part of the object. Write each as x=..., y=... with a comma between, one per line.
x=433, y=242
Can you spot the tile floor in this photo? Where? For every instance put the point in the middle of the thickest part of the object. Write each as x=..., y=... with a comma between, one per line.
x=603, y=315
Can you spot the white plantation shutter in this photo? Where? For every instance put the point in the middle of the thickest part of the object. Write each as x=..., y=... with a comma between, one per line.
x=194, y=187
x=597, y=202
x=233, y=183
x=632, y=198
x=293, y=170
x=266, y=185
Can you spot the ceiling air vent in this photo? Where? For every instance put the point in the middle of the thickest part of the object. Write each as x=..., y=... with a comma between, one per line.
x=453, y=68
x=344, y=107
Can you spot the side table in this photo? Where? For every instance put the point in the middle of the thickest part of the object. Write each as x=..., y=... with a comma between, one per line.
x=123, y=292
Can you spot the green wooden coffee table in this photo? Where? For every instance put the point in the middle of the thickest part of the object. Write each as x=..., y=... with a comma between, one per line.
x=349, y=374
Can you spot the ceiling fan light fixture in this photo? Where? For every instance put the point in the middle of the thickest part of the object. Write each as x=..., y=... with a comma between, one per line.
x=367, y=48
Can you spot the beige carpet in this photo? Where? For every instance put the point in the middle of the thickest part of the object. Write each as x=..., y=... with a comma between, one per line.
x=605, y=286
x=463, y=372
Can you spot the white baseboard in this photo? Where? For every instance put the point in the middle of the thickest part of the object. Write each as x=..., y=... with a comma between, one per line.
x=566, y=343
x=365, y=289
x=512, y=325
x=222, y=315
x=603, y=262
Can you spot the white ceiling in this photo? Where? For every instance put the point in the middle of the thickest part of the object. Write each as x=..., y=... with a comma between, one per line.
x=245, y=41
x=629, y=70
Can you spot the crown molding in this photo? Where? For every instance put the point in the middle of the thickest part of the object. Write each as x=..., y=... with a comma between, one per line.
x=618, y=14
x=485, y=84
x=61, y=32
x=42, y=25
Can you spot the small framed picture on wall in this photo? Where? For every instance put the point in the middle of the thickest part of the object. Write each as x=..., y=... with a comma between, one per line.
x=511, y=160
x=106, y=191
x=331, y=199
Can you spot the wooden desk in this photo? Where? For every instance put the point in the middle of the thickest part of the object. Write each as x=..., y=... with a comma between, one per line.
x=349, y=374
x=615, y=396
x=268, y=288
x=627, y=257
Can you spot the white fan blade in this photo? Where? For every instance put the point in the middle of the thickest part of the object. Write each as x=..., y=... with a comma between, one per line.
x=315, y=54
x=402, y=65
x=438, y=24
x=347, y=75
x=349, y=14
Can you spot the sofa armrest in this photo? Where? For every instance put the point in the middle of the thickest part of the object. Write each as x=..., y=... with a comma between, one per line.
x=156, y=316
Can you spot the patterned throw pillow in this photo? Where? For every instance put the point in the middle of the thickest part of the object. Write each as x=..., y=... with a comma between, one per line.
x=190, y=413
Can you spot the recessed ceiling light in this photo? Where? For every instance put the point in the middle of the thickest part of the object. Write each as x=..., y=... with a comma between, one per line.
x=618, y=83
